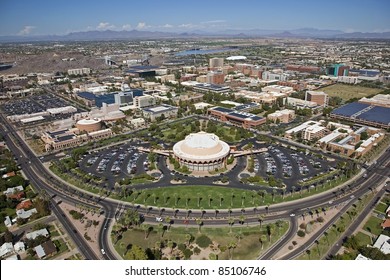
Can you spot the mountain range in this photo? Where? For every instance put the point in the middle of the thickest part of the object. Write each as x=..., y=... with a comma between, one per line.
x=141, y=34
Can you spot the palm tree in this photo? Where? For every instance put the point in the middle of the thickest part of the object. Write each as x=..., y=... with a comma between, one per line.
x=165, y=197
x=260, y=219
x=188, y=238
x=231, y=223
x=278, y=224
x=216, y=212
x=317, y=242
x=242, y=219
x=170, y=245
x=232, y=197
x=293, y=190
x=210, y=199
x=168, y=222
x=199, y=222
x=232, y=245
x=273, y=194
x=176, y=196
x=267, y=208
x=220, y=199
x=239, y=236
x=308, y=252
x=270, y=229
x=145, y=228
x=262, y=239
x=199, y=198
x=243, y=195
x=161, y=228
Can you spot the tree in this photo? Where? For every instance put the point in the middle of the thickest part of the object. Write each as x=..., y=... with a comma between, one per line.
x=8, y=236
x=278, y=225
x=188, y=238
x=231, y=246
x=270, y=230
x=136, y=253
x=231, y=223
x=199, y=222
x=260, y=219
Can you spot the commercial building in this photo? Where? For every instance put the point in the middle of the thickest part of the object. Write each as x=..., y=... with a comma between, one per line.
x=336, y=70
x=215, y=77
x=79, y=71
x=126, y=97
x=309, y=130
x=319, y=97
x=138, y=122
x=278, y=89
x=216, y=62
x=244, y=119
x=213, y=88
x=302, y=104
x=260, y=97
x=283, y=116
x=158, y=111
x=68, y=138
x=89, y=125
x=303, y=68
x=201, y=152
x=377, y=116
x=144, y=101
x=382, y=100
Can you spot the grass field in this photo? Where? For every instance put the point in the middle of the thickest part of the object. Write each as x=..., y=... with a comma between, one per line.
x=363, y=239
x=248, y=246
x=347, y=92
x=381, y=208
x=373, y=225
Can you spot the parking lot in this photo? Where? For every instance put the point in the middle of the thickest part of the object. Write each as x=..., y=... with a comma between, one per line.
x=288, y=165
x=33, y=104
x=115, y=163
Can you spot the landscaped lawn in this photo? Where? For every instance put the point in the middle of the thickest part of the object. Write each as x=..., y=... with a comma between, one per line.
x=248, y=245
x=373, y=225
x=347, y=92
x=381, y=208
x=363, y=239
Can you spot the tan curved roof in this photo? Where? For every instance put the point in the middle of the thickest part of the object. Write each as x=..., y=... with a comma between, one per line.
x=201, y=146
x=88, y=121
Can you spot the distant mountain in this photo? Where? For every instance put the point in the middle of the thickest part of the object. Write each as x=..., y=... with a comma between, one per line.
x=239, y=33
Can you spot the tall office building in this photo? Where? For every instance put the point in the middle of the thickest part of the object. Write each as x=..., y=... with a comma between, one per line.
x=337, y=70
x=319, y=97
x=216, y=62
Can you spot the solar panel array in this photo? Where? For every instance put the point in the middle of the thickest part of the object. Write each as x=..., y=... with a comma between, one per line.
x=376, y=114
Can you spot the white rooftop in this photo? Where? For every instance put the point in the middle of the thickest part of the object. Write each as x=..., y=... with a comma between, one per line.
x=383, y=243
x=35, y=234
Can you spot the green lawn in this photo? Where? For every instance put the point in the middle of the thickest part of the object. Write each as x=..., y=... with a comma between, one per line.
x=248, y=246
x=363, y=239
x=373, y=225
x=347, y=92
x=381, y=208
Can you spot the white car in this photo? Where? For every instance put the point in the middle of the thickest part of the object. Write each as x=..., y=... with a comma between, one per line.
x=103, y=252
x=159, y=219
x=292, y=215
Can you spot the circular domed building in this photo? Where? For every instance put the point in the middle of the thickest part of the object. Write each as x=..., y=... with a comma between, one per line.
x=201, y=152
x=89, y=125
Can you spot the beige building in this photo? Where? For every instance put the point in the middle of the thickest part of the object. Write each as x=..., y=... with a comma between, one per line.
x=79, y=71
x=216, y=62
x=319, y=97
x=138, y=122
x=284, y=116
x=144, y=101
x=89, y=125
x=158, y=111
x=201, y=152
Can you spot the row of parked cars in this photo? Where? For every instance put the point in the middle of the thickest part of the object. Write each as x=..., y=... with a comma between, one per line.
x=303, y=168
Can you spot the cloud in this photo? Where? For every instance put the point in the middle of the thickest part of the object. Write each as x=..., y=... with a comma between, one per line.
x=126, y=27
x=214, y=21
x=105, y=26
x=26, y=30
x=142, y=25
x=187, y=25
x=167, y=26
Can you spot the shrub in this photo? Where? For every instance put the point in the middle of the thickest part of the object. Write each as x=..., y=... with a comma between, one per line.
x=302, y=226
x=203, y=241
x=320, y=219
x=301, y=233
x=290, y=247
x=294, y=243
x=187, y=253
x=181, y=247
x=197, y=251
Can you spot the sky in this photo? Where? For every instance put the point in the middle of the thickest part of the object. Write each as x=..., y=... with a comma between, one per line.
x=49, y=17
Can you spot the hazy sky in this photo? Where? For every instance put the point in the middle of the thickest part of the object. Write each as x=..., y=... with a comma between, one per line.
x=42, y=17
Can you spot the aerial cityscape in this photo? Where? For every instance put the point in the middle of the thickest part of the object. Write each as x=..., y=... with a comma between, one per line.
x=207, y=132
